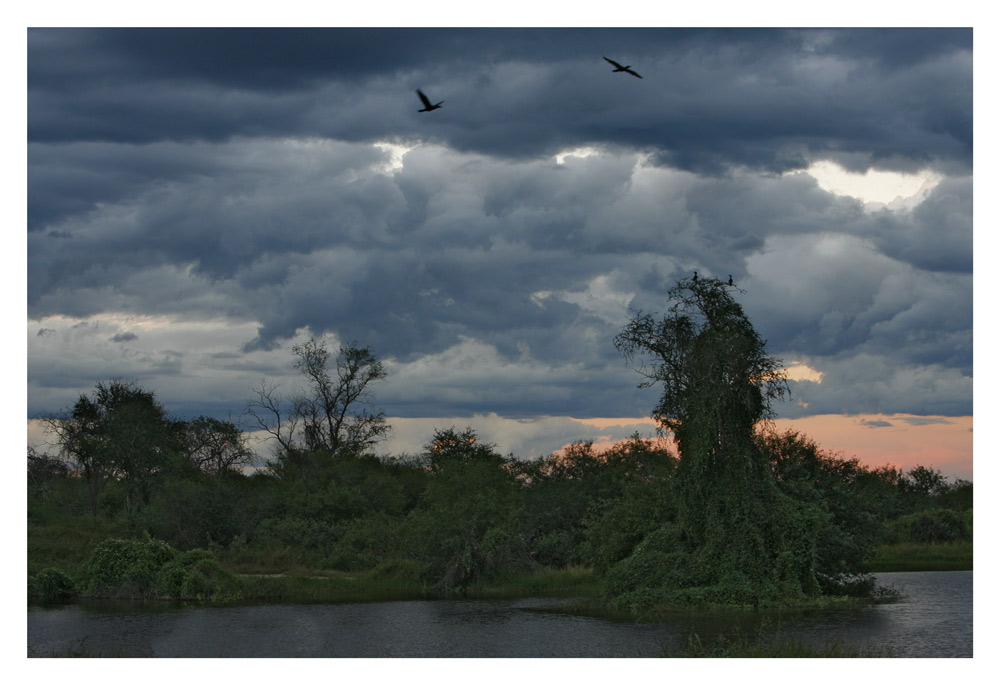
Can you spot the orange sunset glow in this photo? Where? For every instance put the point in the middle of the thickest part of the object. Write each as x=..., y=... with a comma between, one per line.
x=900, y=440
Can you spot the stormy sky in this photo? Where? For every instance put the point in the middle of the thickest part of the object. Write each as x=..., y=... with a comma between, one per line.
x=200, y=200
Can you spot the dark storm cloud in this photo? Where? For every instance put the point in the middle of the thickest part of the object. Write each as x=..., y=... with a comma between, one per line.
x=309, y=234
x=230, y=176
x=936, y=237
x=295, y=58
x=72, y=178
x=835, y=295
x=709, y=99
x=881, y=384
x=406, y=263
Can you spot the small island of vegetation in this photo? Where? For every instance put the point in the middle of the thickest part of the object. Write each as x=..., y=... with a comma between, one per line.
x=720, y=511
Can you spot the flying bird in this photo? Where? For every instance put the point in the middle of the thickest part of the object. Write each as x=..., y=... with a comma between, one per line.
x=428, y=107
x=627, y=69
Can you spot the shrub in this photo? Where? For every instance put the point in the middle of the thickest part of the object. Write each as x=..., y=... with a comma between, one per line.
x=197, y=510
x=363, y=542
x=466, y=528
x=658, y=567
x=196, y=575
x=613, y=529
x=667, y=568
x=126, y=568
x=111, y=501
x=315, y=537
x=150, y=568
x=383, y=492
x=931, y=525
x=796, y=556
x=558, y=548
x=402, y=571
x=51, y=584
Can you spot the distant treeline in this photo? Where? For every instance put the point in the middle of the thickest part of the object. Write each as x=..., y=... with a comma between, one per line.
x=460, y=512
x=730, y=514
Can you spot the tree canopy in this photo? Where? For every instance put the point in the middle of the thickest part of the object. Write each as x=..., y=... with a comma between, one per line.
x=718, y=383
x=122, y=430
x=335, y=412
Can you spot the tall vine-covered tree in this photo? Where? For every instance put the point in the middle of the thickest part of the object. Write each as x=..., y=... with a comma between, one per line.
x=718, y=384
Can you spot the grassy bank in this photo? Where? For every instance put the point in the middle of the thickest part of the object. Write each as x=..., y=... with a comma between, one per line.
x=65, y=542
x=572, y=581
x=282, y=575
x=400, y=581
x=911, y=556
x=331, y=588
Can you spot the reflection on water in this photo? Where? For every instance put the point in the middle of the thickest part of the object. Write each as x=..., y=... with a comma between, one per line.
x=934, y=619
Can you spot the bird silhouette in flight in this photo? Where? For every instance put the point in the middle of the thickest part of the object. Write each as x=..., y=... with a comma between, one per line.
x=428, y=107
x=627, y=69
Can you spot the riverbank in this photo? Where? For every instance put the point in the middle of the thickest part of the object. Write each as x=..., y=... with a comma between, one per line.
x=273, y=577
x=399, y=582
x=935, y=621
x=911, y=556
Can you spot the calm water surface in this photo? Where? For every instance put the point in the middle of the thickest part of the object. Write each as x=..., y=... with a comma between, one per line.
x=934, y=619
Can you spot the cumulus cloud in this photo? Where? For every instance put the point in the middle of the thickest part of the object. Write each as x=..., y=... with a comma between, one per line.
x=880, y=384
x=528, y=257
x=198, y=201
x=193, y=366
x=709, y=99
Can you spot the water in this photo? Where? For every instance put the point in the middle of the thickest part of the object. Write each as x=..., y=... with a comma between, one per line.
x=934, y=619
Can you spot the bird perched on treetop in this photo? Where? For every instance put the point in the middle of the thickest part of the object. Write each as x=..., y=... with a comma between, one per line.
x=428, y=107
x=730, y=279
x=627, y=69
x=695, y=276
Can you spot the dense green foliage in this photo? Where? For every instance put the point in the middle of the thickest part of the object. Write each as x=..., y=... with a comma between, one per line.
x=465, y=518
x=922, y=556
x=929, y=525
x=736, y=539
x=125, y=568
x=52, y=585
x=148, y=568
x=120, y=433
x=141, y=505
